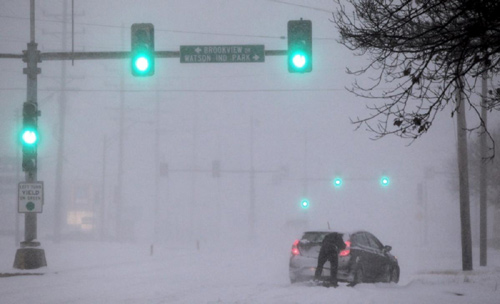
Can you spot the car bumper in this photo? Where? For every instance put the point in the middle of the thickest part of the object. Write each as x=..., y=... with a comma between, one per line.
x=303, y=269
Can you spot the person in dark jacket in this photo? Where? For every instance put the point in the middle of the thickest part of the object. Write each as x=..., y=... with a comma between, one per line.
x=330, y=248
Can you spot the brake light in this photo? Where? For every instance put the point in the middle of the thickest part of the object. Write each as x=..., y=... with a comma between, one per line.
x=347, y=249
x=295, y=248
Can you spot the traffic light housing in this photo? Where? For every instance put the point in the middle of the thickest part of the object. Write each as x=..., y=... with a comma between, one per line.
x=30, y=136
x=299, y=46
x=143, y=49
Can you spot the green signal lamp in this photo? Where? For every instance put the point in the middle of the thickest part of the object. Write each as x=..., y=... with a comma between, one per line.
x=304, y=204
x=337, y=182
x=29, y=137
x=299, y=60
x=384, y=181
x=141, y=64
x=299, y=46
x=142, y=49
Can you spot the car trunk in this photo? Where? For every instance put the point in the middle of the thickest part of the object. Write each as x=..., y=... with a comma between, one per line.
x=309, y=249
x=310, y=244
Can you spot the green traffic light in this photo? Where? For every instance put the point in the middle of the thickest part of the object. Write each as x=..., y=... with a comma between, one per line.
x=29, y=137
x=337, y=182
x=142, y=49
x=304, y=204
x=384, y=181
x=299, y=60
x=142, y=65
x=299, y=46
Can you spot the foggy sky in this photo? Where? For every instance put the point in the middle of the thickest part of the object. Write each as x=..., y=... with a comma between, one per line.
x=207, y=112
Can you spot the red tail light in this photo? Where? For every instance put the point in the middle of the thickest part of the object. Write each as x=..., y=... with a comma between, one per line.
x=295, y=248
x=347, y=249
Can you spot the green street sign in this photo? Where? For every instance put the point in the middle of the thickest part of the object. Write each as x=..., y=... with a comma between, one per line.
x=221, y=53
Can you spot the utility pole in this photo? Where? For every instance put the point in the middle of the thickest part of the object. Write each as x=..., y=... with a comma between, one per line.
x=59, y=174
x=252, y=181
x=119, y=198
x=156, y=205
x=120, y=203
x=422, y=190
x=60, y=147
x=102, y=222
x=483, y=179
x=463, y=174
x=306, y=180
x=30, y=255
x=194, y=205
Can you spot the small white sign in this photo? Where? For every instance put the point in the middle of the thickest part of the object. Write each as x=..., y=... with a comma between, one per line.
x=30, y=197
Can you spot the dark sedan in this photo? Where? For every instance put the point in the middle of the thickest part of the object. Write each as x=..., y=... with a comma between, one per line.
x=365, y=259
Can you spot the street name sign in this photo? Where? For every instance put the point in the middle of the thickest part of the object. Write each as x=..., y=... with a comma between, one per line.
x=221, y=53
x=30, y=197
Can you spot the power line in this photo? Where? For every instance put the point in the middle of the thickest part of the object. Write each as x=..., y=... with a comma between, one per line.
x=174, y=31
x=302, y=6
x=156, y=29
x=183, y=90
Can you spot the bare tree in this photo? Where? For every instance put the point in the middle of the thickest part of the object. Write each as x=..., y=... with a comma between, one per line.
x=418, y=50
x=422, y=53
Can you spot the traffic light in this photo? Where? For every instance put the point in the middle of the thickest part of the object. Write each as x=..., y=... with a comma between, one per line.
x=30, y=136
x=337, y=182
x=304, y=203
x=299, y=46
x=384, y=181
x=143, y=49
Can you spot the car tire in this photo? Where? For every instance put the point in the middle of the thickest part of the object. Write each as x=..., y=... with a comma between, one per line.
x=296, y=279
x=386, y=277
x=359, y=275
x=395, y=274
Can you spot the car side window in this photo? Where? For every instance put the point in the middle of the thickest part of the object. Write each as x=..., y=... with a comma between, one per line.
x=360, y=240
x=374, y=242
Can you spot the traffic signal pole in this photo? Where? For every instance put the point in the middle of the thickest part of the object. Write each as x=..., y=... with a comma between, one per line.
x=30, y=256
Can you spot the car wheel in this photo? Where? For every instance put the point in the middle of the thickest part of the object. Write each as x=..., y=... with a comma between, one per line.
x=297, y=279
x=395, y=274
x=359, y=275
x=386, y=277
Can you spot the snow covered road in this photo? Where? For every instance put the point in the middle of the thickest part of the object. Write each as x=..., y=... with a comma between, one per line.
x=91, y=272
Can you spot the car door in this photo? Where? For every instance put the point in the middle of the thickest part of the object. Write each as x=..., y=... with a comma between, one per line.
x=362, y=253
x=378, y=258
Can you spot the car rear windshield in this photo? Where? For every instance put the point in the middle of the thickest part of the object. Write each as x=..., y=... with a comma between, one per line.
x=314, y=237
